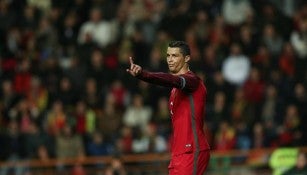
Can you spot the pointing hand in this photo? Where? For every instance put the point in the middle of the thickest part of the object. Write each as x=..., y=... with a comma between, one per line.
x=134, y=68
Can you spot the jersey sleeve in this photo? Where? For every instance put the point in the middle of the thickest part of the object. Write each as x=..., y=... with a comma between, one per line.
x=187, y=82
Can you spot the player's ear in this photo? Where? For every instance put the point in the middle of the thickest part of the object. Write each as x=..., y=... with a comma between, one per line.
x=187, y=58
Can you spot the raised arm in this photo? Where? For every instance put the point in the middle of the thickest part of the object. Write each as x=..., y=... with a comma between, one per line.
x=187, y=82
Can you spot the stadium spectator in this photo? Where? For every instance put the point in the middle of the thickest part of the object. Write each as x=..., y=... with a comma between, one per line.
x=238, y=108
x=235, y=12
x=300, y=166
x=120, y=93
x=201, y=26
x=67, y=33
x=300, y=98
x=148, y=140
x=236, y=66
x=69, y=144
x=161, y=116
x=12, y=148
x=144, y=89
x=210, y=63
x=262, y=59
x=253, y=93
x=22, y=78
x=272, y=40
x=190, y=38
x=51, y=74
x=290, y=133
x=298, y=40
x=217, y=83
x=247, y=40
x=66, y=93
x=78, y=170
x=46, y=37
x=254, y=87
x=225, y=137
x=156, y=61
x=97, y=145
x=271, y=106
x=140, y=142
x=79, y=115
x=75, y=71
x=8, y=98
x=219, y=111
x=42, y=153
x=7, y=18
x=37, y=96
x=157, y=143
x=137, y=115
x=96, y=29
x=56, y=118
x=258, y=136
x=91, y=95
x=109, y=119
x=33, y=139
x=243, y=139
x=116, y=167
x=218, y=36
x=124, y=141
x=287, y=60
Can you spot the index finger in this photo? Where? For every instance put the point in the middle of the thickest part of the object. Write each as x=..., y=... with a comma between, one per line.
x=130, y=60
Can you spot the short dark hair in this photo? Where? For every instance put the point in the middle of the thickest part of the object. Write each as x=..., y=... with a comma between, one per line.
x=184, y=47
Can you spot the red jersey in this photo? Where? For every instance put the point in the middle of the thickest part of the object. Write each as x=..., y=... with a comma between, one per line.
x=187, y=107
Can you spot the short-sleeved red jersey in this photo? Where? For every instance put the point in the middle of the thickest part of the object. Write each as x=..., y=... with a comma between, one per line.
x=187, y=107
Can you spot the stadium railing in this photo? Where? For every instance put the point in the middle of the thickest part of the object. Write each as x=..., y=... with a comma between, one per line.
x=255, y=161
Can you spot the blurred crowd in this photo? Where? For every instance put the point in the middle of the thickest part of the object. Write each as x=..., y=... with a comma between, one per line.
x=65, y=93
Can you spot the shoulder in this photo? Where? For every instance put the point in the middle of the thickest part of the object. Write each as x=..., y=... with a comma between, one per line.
x=87, y=25
x=190, y=78
x=190, y=74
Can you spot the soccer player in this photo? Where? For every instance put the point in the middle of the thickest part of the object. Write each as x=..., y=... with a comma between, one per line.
x=190, y=151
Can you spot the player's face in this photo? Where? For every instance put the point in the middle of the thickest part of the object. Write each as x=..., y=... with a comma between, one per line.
x=175, y=60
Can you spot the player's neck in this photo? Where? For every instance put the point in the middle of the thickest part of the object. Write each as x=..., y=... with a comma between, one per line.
x=184, y=70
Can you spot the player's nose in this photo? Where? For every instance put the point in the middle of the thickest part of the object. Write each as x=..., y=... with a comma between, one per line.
x=170, y=59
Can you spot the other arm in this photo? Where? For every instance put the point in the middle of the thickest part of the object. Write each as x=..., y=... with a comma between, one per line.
x=186, y=82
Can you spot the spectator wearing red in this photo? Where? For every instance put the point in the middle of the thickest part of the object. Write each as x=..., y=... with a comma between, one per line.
x=80, y=117
x=287, y=60
x=238, y=108
x=37, y=96
x=253, y=92
x=289, y=133
x=262, y=59
x=124, y=142
x=22, y=79
x=56, y=118
x=225, y=138
x=120, y=93
x=254, y=87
